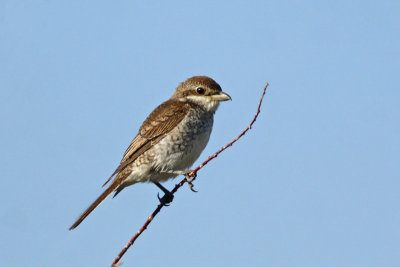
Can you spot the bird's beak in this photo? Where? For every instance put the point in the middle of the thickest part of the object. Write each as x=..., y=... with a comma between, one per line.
x=221, y=97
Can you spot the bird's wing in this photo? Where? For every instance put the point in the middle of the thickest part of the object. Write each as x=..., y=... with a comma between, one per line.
x=160, y=122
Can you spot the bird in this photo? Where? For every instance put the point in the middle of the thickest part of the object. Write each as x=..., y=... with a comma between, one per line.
x=169, y=141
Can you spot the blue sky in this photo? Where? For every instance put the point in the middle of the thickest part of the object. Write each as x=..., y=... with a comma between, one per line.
x=314, y=183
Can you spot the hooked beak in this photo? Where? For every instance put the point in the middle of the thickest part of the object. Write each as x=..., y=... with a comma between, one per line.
x=221, y=97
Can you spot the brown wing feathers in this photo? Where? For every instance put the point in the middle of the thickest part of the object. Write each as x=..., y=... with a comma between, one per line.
x=161, y=121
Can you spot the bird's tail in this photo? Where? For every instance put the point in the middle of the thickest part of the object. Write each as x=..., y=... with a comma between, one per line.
x=94, y=205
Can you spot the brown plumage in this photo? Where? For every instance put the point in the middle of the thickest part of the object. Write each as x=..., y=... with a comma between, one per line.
x=163, y=122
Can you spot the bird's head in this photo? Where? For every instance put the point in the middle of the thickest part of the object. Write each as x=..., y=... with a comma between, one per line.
x=201, y=90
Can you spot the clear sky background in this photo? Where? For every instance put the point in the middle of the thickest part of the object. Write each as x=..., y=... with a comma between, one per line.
x=314, y=183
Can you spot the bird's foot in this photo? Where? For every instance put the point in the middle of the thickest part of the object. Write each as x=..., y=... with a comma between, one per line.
x=166, y=199
x=190, y=176
x=168, y=196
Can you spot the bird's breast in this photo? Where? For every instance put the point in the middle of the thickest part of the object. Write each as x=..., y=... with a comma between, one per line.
x=181, y=147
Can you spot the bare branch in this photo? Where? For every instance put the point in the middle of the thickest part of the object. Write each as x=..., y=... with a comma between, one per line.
x=189, y=178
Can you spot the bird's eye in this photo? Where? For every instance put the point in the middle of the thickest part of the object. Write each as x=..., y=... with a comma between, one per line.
x=200, y=90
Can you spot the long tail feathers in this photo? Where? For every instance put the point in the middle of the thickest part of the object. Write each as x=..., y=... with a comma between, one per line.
x=97, y=202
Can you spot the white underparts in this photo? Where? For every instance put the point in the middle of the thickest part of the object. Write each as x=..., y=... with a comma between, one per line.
x=177, y=151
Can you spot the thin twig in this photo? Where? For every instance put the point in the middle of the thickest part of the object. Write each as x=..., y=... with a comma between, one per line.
x=192, y=176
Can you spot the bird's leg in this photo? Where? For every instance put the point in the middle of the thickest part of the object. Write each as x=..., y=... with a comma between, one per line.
x=168, y=196
x=189, y=178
